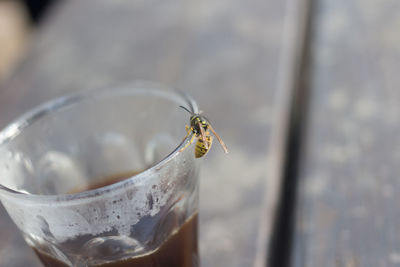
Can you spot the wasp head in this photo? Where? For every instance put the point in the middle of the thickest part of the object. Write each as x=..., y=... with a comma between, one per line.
x=197, y=121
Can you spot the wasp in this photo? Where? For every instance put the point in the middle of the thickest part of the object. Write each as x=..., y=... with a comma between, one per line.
x=200, y=126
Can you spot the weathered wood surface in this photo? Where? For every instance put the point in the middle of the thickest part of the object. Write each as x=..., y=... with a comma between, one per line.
x=224, y=53
x=348, y=213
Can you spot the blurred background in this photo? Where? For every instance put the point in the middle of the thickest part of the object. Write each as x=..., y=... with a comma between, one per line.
x=223, y=54
x=18, y=19
x=304, y=93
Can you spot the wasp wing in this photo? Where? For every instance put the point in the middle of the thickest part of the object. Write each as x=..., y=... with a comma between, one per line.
x=219, y=139
x=203, y=135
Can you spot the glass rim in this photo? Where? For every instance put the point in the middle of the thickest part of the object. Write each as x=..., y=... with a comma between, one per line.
x=14, y=128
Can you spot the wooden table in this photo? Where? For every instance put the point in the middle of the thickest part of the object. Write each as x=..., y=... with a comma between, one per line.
x=303, y=92
x=226, y=54
x=347, y=202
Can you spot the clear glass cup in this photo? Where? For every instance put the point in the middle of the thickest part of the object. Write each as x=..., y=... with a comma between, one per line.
x=101, y=178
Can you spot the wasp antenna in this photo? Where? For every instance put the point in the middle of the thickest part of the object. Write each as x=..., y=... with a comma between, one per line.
x=186, y=109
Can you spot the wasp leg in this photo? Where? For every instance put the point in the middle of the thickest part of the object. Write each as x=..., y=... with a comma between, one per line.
x=219, y=139
x=188, y=130
x=187, y=144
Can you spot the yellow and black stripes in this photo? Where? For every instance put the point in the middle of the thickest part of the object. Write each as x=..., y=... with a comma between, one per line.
x=200, y=149
x=200, y=126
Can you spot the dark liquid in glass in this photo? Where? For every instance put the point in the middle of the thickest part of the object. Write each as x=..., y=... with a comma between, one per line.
x=179, y=250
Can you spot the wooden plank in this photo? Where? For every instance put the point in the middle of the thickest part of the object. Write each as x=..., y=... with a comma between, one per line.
x=224, y=53
x=347, y=212
x=282, y=154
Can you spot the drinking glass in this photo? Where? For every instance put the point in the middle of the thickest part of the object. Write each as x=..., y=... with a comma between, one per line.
x=104, y=178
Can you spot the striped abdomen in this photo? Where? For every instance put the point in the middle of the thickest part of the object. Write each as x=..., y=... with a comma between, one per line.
x=200, y=150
